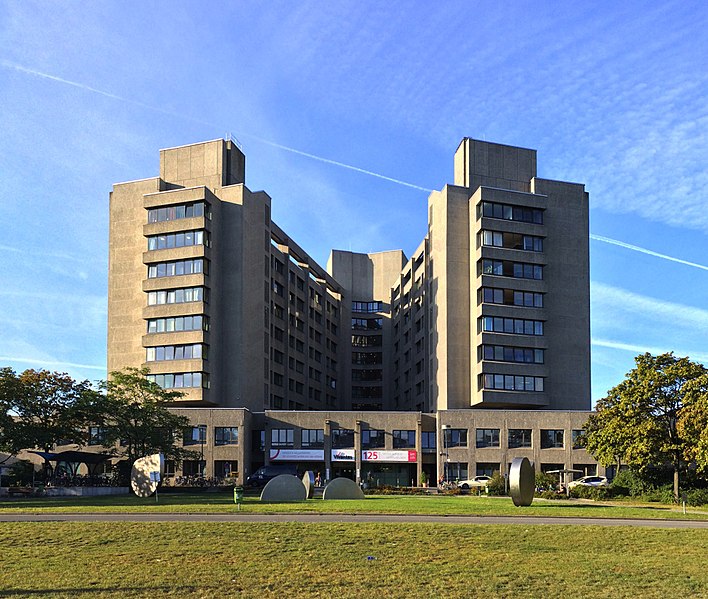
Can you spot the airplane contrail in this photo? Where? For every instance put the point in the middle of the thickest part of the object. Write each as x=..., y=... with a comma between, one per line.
x=20, y=68
x=642, y=250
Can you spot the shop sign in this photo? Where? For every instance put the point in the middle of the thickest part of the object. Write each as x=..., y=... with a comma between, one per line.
x=396, y=455
x=343, y=455
x=297, y=455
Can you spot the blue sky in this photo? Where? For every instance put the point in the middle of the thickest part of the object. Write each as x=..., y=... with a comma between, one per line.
x=613, y=95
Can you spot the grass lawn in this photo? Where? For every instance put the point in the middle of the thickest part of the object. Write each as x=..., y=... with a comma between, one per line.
x=405, y=504
x=354, y=560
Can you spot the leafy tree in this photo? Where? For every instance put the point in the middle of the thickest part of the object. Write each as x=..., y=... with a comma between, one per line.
x=637, y=423
x=135, y=418
x=693, y=422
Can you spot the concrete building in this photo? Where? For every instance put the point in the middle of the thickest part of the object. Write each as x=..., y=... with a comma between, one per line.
x=487, y=323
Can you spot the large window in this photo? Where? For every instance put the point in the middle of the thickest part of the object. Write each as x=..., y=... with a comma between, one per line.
x=367, y=324
x=168, y=241
x=503, y=353
x=515, y=326
x=97, y=435
x=512, y=241
x=510, y=297
x=372, y=439
x=342, y=438
x=368, y=307
x=180, y=380
x=487, y=437
x=177, y=268
x=506, y=268
x=455, y=437
x=190, y=210
x=367, y=375
x=195, y=435
x=175, y=352
x=487, y=469
x=366, y=358
x=226, y=435
x=578, y=438
x=403, y=439
x=552, y=439
x=428, y=440
x=312, y=438
x=519, y=438
x=366, y=340
x=508, y=212
x=176, y=296
x=177, y=323
x=282, y=437
x=510, y=382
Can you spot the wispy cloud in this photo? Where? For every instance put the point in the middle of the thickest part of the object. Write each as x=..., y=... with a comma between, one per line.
x=640, y=349
x=636, y=248
x=50, y=363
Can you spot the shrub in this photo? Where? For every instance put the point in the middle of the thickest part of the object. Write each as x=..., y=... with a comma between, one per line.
x=549, y=495
x=545, y=482
x=697, y=497
x=594, y=493
x=629, y=483
x=496, y=486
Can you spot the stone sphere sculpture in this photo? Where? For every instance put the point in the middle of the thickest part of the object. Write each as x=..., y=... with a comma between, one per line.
x=522, y=482
x=342, y=488
x=146, y=474
x=284, y=487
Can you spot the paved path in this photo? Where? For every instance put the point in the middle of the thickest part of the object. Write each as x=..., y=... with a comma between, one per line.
x=348, y=518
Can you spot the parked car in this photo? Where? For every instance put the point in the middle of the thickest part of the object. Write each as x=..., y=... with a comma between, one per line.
x=261, y=476
x=477, y=481
x=589, y=481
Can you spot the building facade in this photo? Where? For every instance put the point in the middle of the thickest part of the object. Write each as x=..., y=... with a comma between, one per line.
x=485, y=328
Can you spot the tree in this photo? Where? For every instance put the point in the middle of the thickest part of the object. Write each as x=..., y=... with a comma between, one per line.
x=40, y=410
x=637, y=423
x=693, y=422
x=135, y=418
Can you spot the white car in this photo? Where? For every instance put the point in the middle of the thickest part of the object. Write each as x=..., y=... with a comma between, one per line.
x=477, y=481
x=589, y=481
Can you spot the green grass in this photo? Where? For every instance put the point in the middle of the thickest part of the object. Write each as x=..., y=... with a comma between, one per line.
x=354, y=560
x=377, y=504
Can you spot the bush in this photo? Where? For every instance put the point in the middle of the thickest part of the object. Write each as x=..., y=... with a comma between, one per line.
x=697, y=497
x=594, y=493
x=629, y=483
x=496, y=485
x=545, y=482
x=549, y=495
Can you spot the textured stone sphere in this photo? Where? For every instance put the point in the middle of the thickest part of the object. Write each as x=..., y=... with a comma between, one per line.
x=284, y=487
x=143, y=480
x=522, y=482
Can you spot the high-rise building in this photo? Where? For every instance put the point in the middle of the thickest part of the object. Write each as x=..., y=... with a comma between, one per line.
x=491, y=311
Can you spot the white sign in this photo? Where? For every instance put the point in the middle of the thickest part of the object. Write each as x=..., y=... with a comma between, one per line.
x=155, y=477
x=396, y=455
x=343, y=455
x=297, y=455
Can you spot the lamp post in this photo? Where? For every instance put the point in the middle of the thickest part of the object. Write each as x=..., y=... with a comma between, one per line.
x=202, y=435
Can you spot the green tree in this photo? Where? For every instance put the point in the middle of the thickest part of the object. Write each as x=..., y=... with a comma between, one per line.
x=135, y=418
x=693, y=422
x=637, y=423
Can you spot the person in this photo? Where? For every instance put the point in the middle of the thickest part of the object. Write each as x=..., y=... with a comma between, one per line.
x=441, y=480
x=318, y=480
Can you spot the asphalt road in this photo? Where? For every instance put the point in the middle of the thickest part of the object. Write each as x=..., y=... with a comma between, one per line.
x=348, y=518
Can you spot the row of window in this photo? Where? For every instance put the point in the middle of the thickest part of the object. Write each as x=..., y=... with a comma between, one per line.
x=460, y=470
x=180, y=380
x=508, y=212
x=189, y=210
x=176, y=352
x=504, y=353
x=512, y=241
x=367, y=324
x=516, y=326
x=344, y=438
x=509, y=382
x=370, y=307
x=367, y=340
x=506, y=268
x=510, y=297
x=178, y=323
x=177, y=296
x=178, y=240
x=517, y=438
x=178, y=268
x=366, y=358
x=223, y=435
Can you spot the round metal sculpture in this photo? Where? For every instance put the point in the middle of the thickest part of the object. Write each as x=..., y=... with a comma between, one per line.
x=146, y=474
x=284, y=487
x=308, y=479
x=522, y=482
x=342, y=488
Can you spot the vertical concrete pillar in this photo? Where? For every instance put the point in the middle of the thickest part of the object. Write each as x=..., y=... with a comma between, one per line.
x=266, y=451
x=357, y=450
x=328, y=449
x=419, y=451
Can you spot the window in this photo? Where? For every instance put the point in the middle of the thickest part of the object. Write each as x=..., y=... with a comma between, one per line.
x=281, y=437
x=455, y=437
x=368, y=307
x=510, y=382
x=342, y=438
x=513, y=241
x=367, y=375
x=427, y=440
x=487, y=437
x=403, y=439
x=191, y=210
x=457, y=470
x=577, y=437
x=180, y=380
x=258, y=441
x=97, y=435
x=372, y=439
x=195, y=435
x=503, y=353
x=366, y=340
x=552, y=439
x=177, y=268
x=366, y=358
x=367, y=324
x=176, y=324
x=519, y=438
x=168, y=241
x=509, y=297
x=506, y=268
x=508, y=212
x=486, y=469
x=175, y=352
x=312, y=438
x=226, y=435
x=514, y=326
x=176, y=296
